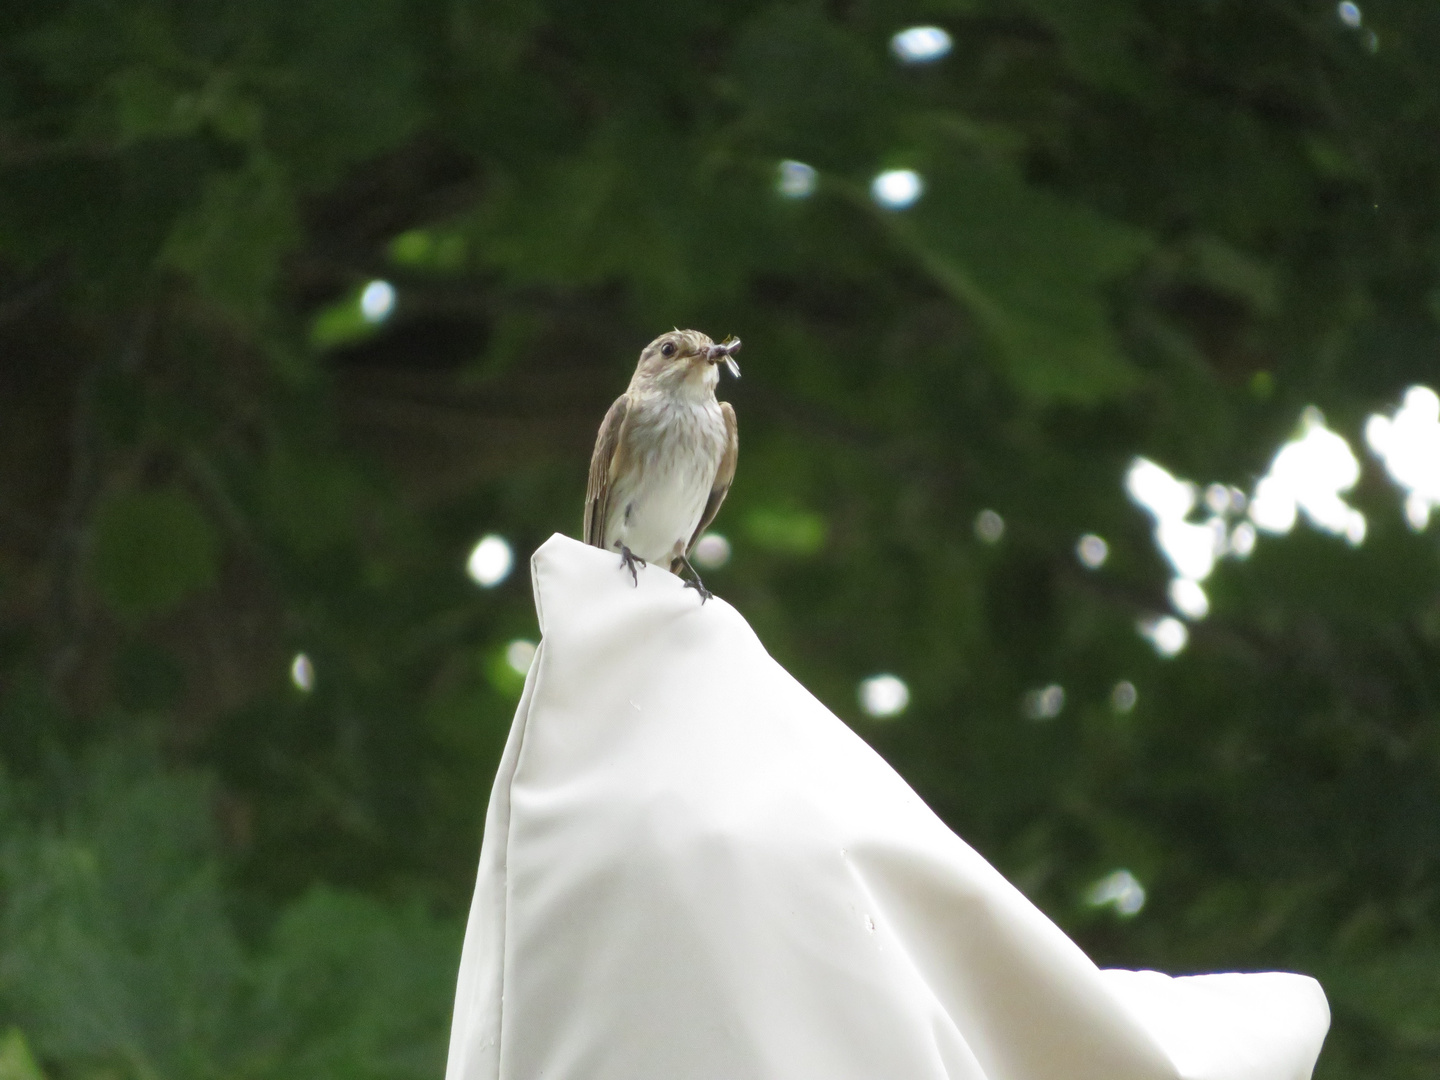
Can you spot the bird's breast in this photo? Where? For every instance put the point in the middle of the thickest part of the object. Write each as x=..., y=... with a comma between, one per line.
x=673, y=453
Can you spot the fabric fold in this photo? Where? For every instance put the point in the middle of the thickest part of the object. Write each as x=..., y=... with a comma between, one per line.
x=692, y=870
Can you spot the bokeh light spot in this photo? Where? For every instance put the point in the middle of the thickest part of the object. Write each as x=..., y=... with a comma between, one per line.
x=1123, y=696
x=1409, y=445
x=1189, y=599
x=302, y=673
x=920, y=44
x=712, y=552
x=1120, y=890
x=377, y=301
x=895, y=189
x=1190, y=547
x=519, y=654
x=1045, y=703
x=491, y=561
x=1349, y=14
x=1166, y=633
x=1307, y=476
x=795, y=180
x=1092, y=551
x=1217, y=498
x=884, y=696
x=1242, y=540
x=989, y=527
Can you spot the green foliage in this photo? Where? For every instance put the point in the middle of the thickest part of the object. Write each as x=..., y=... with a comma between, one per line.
x=310, y=501
x=1146, y=229
x=119, y=955
x=1033, y=270
x=341, y=323
x=426, y=249
x=16, y=1061
x=230, y=243
x=117, y=949
x=792, y=532
x=152, y=550
x=502, y=674
x=352, y=988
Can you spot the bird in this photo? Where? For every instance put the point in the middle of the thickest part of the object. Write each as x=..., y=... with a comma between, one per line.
x=665, y=456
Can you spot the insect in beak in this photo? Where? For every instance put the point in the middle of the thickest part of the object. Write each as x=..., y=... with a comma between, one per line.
x=725, y=351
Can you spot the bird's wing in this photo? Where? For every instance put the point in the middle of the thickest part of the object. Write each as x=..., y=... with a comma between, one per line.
x=724, y=475
x=604, y=467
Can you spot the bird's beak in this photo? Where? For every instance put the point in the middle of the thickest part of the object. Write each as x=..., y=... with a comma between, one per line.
x=725, y=352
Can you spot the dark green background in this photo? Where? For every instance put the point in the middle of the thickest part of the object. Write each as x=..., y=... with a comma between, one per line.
x=1149, y=227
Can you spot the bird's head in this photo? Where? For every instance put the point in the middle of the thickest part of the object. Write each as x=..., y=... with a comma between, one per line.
x=686, y=358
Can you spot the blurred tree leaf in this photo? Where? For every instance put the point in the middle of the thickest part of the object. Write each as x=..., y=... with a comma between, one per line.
x=16, y=1061
x=823, y=94
x=1032, y=269
x=1099, y=38
x=151, y=550
x=232, y=241
x=502, y=675
x=352, y=988
x=785, y=531
x=341, y=323
x=1393, y=998
x=312, y=502
x=429, y=249
x=117, y=951
x=147, y=679
x=1232, y=271
x=335, y=94
x=109, y=213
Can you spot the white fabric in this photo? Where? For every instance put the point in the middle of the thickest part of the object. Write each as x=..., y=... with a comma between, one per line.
x=692, y=870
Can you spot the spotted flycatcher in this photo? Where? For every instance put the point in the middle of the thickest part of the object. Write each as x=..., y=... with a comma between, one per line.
x=665, y=456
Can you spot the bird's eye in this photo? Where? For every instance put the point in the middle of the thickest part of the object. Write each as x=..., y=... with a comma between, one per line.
x=668, y=349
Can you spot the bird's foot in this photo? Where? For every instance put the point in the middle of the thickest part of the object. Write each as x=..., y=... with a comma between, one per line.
x=628, y=561
x=694, y=582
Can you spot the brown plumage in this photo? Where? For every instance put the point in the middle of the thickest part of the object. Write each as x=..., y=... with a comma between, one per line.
x=665, y=455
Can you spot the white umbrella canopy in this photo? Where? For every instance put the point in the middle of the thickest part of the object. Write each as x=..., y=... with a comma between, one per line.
x=692, y=870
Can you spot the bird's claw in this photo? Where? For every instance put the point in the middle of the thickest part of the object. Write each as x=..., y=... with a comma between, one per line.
x=628, y=561
x=693, y=582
